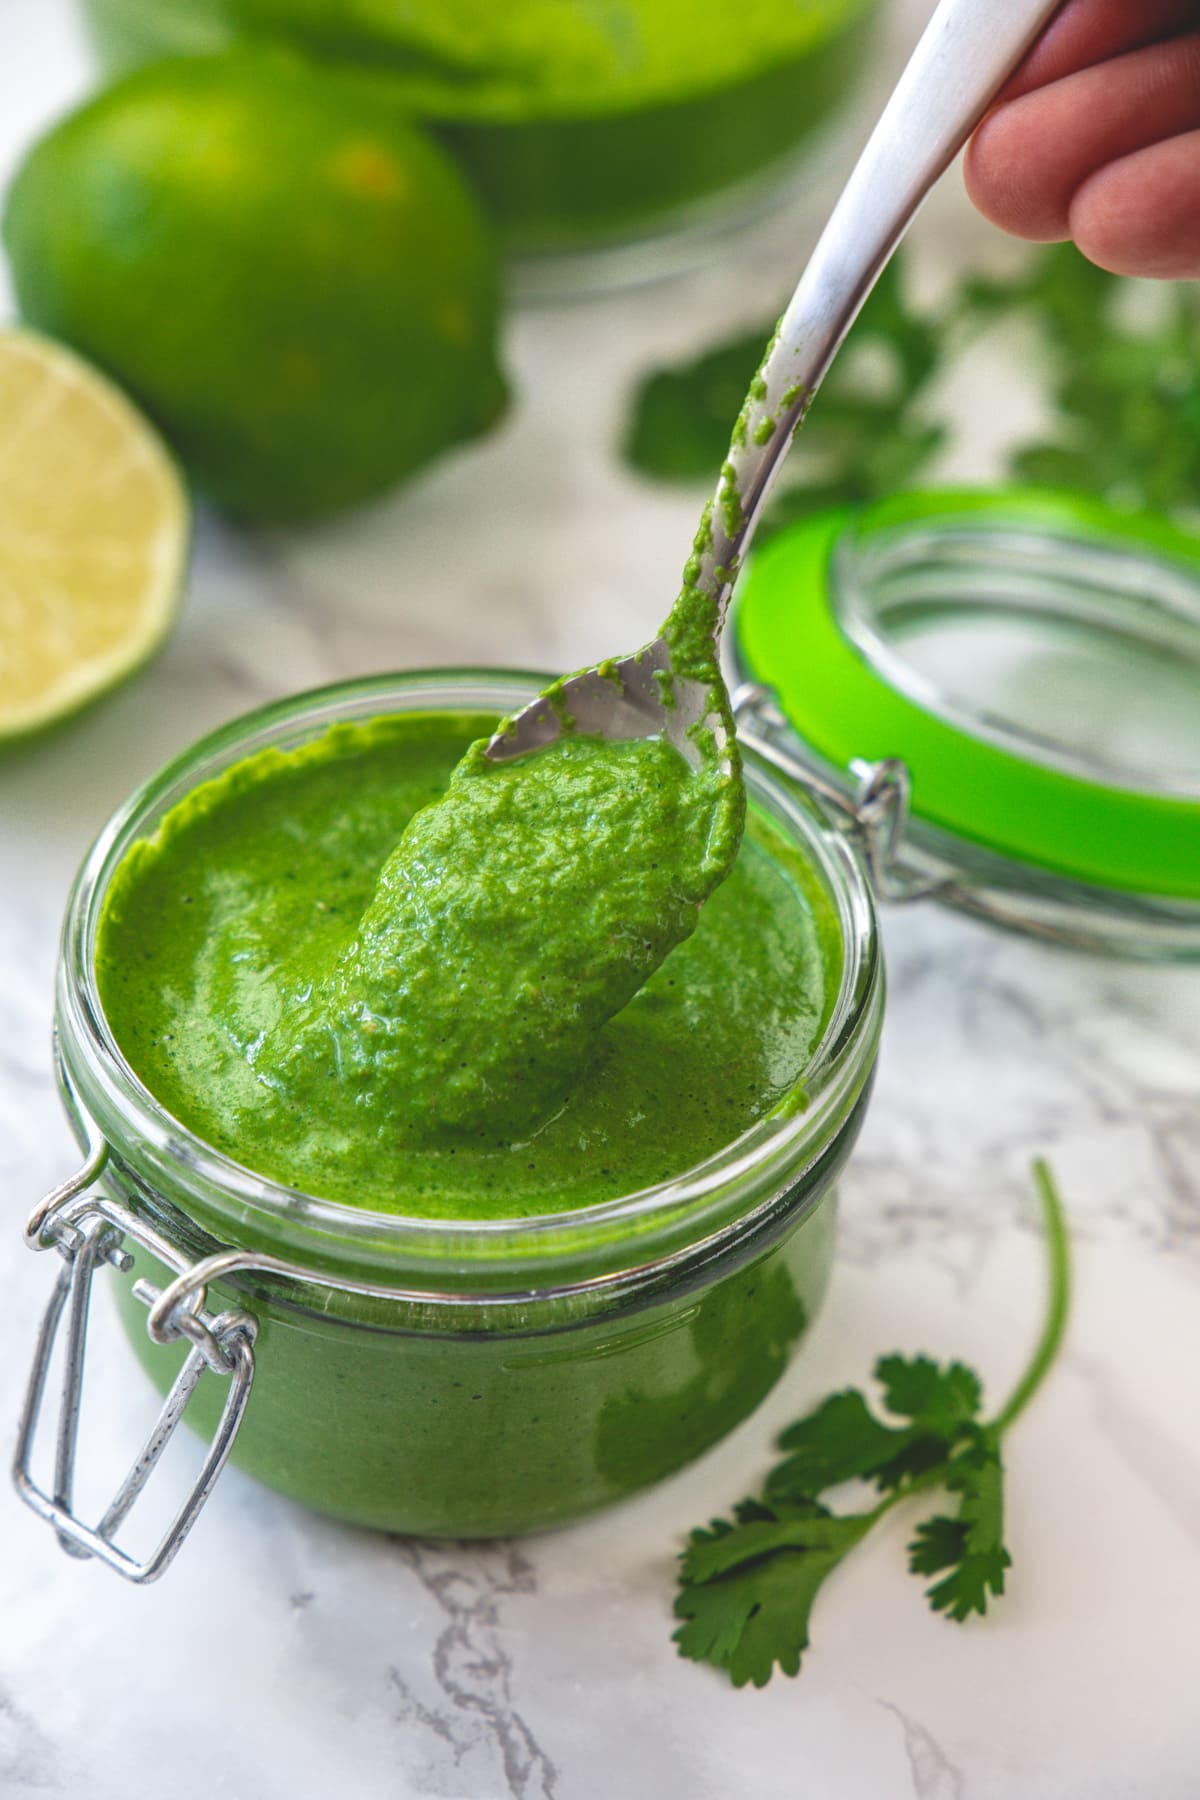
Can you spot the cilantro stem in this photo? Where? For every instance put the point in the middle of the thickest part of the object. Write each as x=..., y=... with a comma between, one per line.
x=1059, y=1257
x=912, y=1484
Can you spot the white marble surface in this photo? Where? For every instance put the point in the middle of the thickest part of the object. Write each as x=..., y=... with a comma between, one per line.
x=285, y=1656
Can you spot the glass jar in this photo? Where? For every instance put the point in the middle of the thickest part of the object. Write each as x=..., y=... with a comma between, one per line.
x=613, y=145
x=125, y=33
x=437, y=1376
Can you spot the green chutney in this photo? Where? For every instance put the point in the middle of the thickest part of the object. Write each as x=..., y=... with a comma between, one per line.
x=304, y=1016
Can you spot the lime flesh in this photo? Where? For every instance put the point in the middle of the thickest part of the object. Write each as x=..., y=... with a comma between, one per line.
x=93, y=535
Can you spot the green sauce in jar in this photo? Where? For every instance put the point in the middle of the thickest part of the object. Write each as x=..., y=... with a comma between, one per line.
x=251, y=894
x=431, y=1357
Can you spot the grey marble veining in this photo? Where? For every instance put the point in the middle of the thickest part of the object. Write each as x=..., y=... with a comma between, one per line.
x=933, y=1776
x=287, y=1658
x=464, y=1697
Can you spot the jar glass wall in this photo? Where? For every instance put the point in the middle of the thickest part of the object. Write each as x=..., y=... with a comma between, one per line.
x=501, y=1375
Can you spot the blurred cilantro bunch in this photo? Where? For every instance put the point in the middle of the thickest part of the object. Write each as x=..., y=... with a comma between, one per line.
x=1118, y=361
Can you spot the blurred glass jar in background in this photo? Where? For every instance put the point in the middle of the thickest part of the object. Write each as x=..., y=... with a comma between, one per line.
x=585, y=127
x=127, y=32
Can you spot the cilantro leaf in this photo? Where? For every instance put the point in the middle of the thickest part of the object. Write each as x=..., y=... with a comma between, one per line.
x=725, y=1545
x=938, y=1545
x=844, y=1441
x=841, y=1441
x=747, y=1591
x=971, y=1544
x=682, y=417
x=939, y=1400
x=1119, y=357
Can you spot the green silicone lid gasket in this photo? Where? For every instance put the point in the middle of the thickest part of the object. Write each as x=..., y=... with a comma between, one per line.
x=789, y=638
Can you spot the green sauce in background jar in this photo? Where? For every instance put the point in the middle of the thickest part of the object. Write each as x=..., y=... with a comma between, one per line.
x=443, y=1365
x=582, y=126
x=125, y=33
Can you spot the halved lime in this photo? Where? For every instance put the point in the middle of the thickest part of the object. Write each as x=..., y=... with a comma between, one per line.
x=93, y=535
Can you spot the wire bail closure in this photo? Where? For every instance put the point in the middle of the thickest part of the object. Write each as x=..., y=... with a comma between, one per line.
x=90, y=1231
x=90, y=1228
x=874, y=814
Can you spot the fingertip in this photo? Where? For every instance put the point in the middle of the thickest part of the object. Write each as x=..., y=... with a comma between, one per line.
x=1140, y=215
x=996, y=174
x=1034, y=155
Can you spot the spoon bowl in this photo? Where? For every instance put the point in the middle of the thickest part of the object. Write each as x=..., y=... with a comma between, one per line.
x=629, y=697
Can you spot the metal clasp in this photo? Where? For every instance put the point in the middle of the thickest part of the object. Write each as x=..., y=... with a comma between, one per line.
x=875, y=811
x=90, y=1231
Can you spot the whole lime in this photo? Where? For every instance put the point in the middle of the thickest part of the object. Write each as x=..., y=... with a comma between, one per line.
x=286, y=273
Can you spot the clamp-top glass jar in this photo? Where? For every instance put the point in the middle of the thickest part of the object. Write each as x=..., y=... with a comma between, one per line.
x=431, y=1375
x=470, y=1378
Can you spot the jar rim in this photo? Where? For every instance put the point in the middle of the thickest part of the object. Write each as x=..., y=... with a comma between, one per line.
x=729, y=1188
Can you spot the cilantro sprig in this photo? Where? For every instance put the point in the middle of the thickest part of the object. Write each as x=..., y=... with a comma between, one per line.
x=1120, y=364
x=747, y=1584
x=873, y=436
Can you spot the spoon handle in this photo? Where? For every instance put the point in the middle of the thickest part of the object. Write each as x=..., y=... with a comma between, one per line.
x=966, y=53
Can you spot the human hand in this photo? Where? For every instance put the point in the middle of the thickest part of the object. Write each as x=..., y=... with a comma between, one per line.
x=1097, y=138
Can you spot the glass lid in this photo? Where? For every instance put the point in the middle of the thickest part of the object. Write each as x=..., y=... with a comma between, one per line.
x=1033, y=661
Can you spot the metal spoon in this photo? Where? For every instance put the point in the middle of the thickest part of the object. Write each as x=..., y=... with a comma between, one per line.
x=967, y=51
